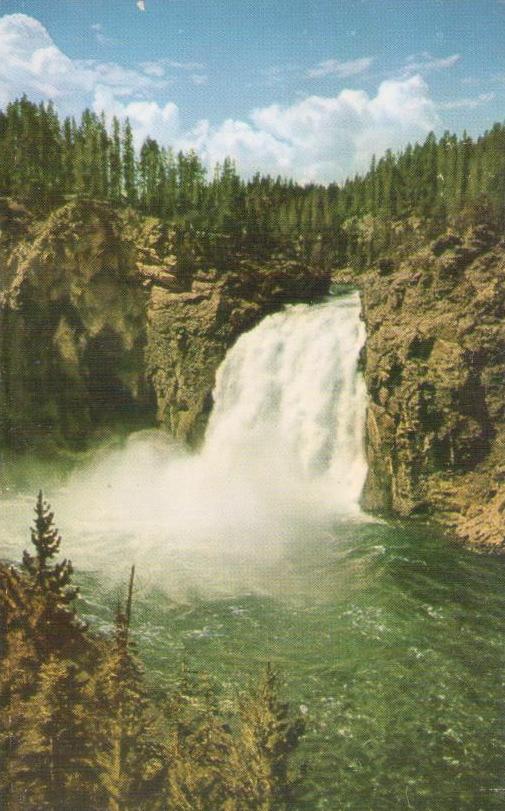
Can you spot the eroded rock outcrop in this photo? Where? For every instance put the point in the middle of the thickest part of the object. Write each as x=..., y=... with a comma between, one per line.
x=72, y=332
x=435, y=371
x=103, y=326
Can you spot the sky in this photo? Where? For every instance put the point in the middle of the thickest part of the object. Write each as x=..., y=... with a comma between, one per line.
x=302, y=88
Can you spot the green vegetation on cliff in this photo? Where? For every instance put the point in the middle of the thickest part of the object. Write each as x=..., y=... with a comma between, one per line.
x=44, y=161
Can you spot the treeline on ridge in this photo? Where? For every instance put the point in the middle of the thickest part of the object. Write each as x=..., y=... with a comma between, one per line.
x=81, y=731
x=423, y=187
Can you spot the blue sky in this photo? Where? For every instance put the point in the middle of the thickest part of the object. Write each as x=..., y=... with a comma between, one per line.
x=308, y=88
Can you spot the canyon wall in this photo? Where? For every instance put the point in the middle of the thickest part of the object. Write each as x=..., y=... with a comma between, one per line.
x=435, y=373
x=104, y=328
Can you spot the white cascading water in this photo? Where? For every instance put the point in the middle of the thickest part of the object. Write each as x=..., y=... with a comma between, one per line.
x=282, y=460
x=289, y=399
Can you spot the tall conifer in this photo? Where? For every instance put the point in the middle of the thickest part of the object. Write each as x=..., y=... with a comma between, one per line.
x=129, y=165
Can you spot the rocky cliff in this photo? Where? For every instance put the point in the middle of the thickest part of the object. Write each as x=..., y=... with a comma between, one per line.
x=103, y=327
x=434, y=367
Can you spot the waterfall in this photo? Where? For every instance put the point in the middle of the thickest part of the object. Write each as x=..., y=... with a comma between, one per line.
x=282, y=460
x=288, y=395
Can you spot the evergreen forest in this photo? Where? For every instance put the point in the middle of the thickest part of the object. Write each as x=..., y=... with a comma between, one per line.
x=416, y=192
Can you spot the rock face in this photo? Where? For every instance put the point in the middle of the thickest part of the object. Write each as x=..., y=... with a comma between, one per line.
x=435, y=371
x=72, y=331
x=101, y=328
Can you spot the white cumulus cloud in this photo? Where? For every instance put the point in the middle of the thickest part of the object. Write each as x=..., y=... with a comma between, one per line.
x=320, y=138
x=31, y=63
x=146, y=117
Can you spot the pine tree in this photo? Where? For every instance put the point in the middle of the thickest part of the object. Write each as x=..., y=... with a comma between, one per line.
x=51, y=156
x=131, y=762
x=269, y=737
x=39, y=626
x=152, y=177
x=19, y=666
x=204, y=773
x=47, y=578
x=46, y=539
x=115, y=163
x=104, y=154
x=55, y=625
x=431, y=184
x=68, y=157
x=129, y=165
x=79, y=732
x=464, y=152
x=55, y=766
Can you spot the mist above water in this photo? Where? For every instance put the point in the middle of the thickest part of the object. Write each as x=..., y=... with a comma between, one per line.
x=282, y=460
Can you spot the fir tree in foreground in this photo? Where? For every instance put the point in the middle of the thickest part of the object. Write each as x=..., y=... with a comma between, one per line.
x=55, y=765
x=79, y=730
x=269, y=737
x=56, y=626
x=41, y=636
x=132, y=759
